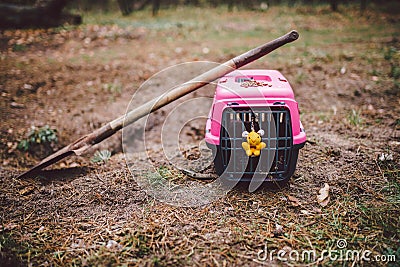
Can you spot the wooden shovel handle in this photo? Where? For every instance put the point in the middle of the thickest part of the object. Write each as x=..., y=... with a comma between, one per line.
x=112, y=127
x=85, y=142
x=201, y=80
x=264, y=49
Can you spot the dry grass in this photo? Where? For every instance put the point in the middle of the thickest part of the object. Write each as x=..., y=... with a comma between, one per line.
x=97, y=215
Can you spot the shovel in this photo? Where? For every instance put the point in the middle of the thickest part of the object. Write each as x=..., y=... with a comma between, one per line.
x=85, y=142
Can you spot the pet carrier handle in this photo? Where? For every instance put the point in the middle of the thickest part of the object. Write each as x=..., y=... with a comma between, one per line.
x=81, y=145
x=262, y=50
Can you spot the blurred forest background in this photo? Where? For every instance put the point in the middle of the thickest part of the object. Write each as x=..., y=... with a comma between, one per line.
x=25, y=13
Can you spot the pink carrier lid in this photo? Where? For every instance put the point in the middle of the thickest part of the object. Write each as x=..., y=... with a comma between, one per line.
x=253, y=84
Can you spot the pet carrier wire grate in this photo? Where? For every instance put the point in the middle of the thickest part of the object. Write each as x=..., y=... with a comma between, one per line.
x=274, y=159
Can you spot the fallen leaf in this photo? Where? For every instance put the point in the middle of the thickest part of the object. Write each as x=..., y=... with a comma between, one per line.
x=294, y=201
x=324, y=192
x=323, y=197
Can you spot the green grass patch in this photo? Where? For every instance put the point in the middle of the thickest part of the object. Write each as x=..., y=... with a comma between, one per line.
x=43, y=137
x=355, y=118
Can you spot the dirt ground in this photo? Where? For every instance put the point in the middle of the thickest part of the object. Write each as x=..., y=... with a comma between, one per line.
x=344, y=69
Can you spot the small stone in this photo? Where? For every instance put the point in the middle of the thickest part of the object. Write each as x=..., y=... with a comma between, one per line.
x=386, y=157
x=206, y=50
x=278, y=230
x=74, y=165
x=113, y=245
x=28, y=86
x=17, y=105
x=178, y=50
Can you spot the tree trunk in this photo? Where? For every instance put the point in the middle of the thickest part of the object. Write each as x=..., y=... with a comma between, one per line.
x=156, y=7
x=125, y=6
x=46, y=14
x=363, y=6
x=231, y=5
x=334, y=5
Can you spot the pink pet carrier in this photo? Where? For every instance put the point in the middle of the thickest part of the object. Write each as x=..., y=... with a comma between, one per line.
x=259, y=105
